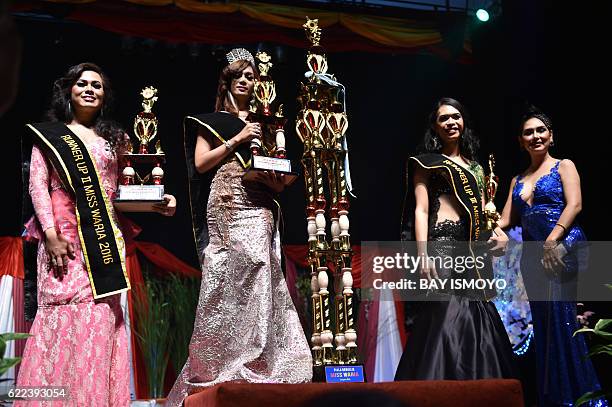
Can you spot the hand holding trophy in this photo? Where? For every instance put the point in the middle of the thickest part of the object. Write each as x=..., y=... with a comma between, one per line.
x=268, y=151
x=137, y=193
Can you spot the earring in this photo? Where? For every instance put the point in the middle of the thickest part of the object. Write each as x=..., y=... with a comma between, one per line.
x=552, y=143
x=70, y=107
x=436, y=143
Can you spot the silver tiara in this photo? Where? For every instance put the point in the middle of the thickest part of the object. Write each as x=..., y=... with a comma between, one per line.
x=239, y=54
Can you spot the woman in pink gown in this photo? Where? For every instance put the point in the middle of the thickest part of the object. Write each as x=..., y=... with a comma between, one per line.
x=77, y=342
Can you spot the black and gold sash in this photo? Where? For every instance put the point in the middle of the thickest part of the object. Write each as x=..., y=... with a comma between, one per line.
x=464, y=185
x=223, y=126
x=103, y=246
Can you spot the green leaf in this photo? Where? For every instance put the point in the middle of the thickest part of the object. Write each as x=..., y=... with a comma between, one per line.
x=600, y=349
x=602, y=324
x=603, y=329
x=592, y=395
x=581, y=330
x=14, y=336
x=7, y=363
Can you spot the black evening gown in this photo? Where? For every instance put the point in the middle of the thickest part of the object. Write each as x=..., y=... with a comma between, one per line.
x=457, y=336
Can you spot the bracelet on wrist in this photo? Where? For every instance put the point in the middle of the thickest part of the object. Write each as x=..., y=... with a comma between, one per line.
x=229, y=145
x=563, y=226
x=550, y=244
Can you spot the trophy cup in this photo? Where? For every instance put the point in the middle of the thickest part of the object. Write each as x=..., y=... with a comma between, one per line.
x=268, y=152
x=137, y=193
x=490, y=211
x=321, y=126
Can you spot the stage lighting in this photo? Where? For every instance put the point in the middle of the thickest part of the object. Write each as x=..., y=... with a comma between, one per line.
x=482, y=14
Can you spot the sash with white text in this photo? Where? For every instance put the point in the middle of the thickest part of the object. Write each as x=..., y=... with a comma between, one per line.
x=103, y=246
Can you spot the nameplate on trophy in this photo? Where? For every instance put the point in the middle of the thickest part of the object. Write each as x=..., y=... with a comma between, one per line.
x=139, y=198
x=280, y=166
x=344, y=374
x=271, y=163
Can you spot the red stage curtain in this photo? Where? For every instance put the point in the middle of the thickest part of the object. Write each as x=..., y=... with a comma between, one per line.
x=244, y=21
x=21, y=325
x=11, y=257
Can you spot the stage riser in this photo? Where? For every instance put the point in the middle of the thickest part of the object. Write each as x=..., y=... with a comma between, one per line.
x=473, y=393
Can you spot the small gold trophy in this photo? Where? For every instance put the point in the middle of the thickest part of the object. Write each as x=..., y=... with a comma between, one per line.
x=268, y=152
x=136, y=193
x=491, y=182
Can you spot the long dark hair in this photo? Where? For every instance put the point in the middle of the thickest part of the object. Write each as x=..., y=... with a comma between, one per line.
x=228, y=74
x=468, y=142
x=61, y=111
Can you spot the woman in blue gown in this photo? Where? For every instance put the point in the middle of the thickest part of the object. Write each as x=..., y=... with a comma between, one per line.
x=545, y=199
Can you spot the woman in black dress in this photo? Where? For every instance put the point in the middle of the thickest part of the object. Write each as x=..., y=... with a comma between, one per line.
x=457, y=334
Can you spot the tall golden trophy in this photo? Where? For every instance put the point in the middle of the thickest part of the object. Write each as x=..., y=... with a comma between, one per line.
x=137, y=193
x=268, y=152
x=491, y=183
x=321, y=125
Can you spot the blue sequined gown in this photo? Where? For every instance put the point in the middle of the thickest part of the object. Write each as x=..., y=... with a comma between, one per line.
x=562, y=372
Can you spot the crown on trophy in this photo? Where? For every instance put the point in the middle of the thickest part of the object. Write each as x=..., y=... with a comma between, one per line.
x=316, y=60
x=145, y=123
x=313, y=32
x=264, y=89
x=264, y=64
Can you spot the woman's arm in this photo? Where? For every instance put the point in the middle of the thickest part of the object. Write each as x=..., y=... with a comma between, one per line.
x=58, y=248
x=573, y=199
x=207, y=156
x=552, y=257
x=421, y=223
x=421, y=210
x=508, y=215
x=39, y=190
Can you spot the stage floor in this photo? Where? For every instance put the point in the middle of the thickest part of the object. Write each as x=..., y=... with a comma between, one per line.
x=498, y=393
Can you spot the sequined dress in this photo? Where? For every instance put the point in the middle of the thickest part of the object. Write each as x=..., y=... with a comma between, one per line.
x=563, y=373
x=246, y=326
x=455, y=336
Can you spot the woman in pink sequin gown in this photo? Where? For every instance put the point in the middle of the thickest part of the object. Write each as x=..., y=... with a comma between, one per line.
x=77, y=342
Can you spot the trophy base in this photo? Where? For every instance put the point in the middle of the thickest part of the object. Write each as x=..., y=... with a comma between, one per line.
x=278, y=165
x=139, y=198
x=338, y=374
